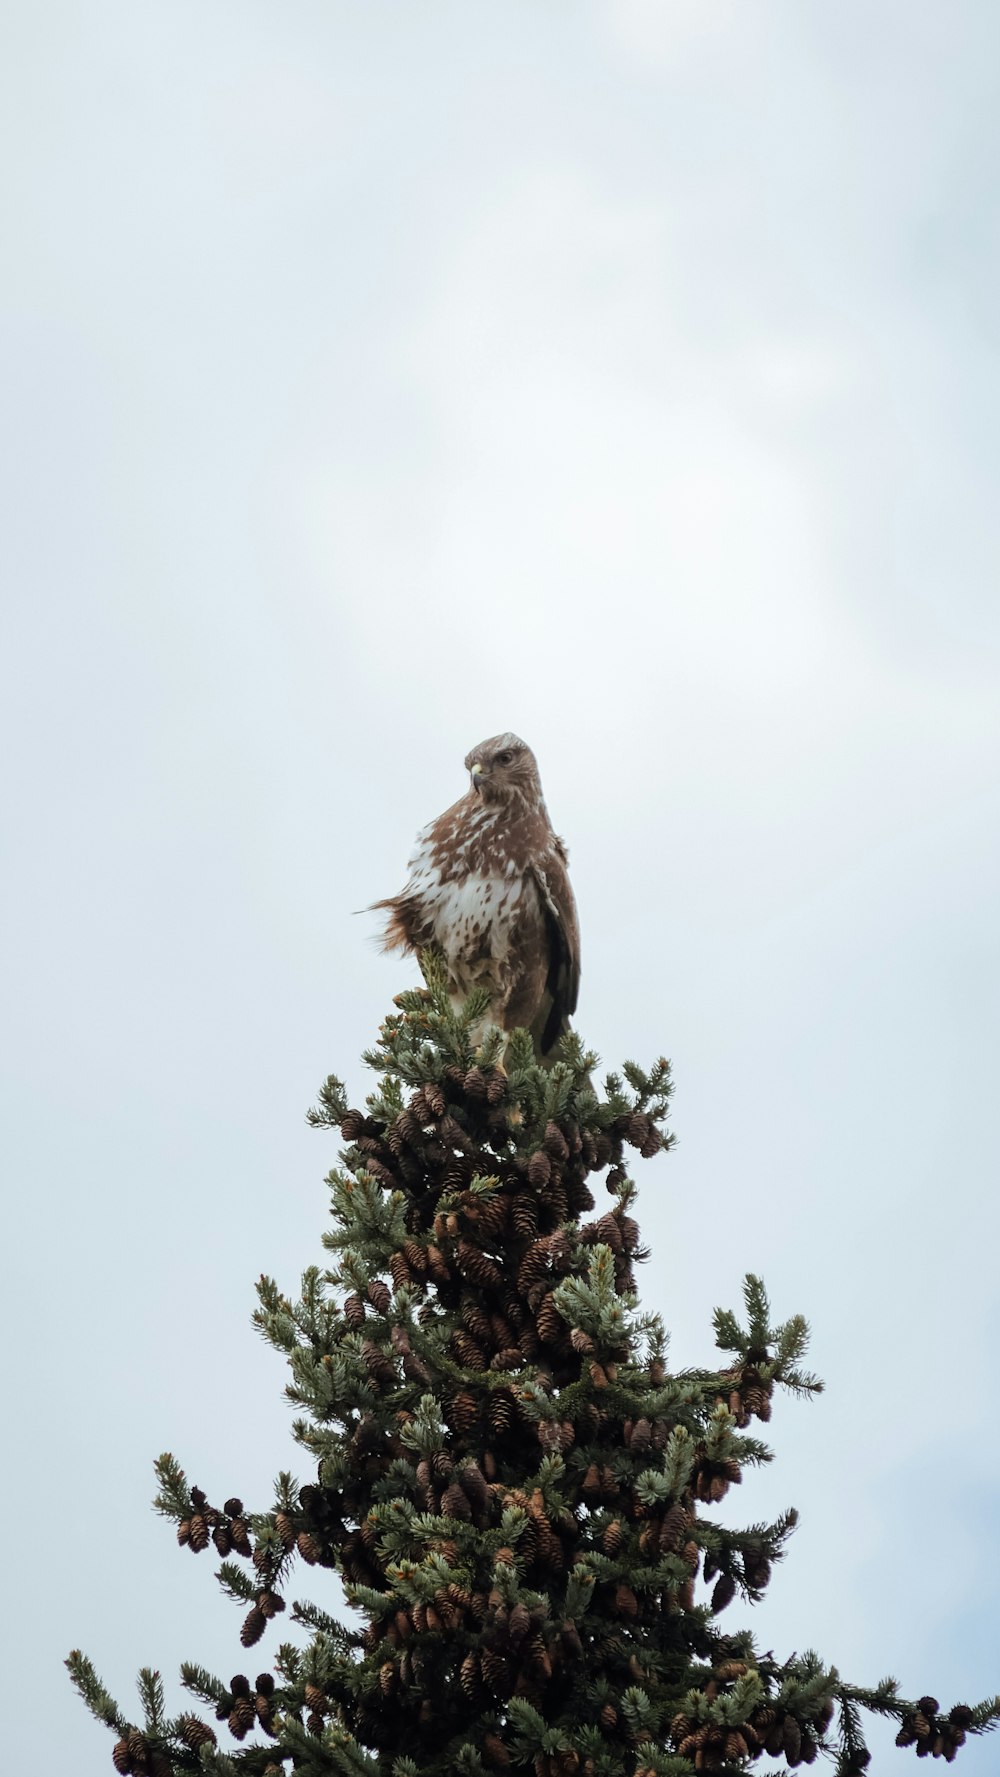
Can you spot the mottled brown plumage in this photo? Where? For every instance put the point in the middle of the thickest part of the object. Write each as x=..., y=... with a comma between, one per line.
x=489, y=886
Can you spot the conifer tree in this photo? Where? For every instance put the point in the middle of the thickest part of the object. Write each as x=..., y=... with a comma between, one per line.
x=515, y=1492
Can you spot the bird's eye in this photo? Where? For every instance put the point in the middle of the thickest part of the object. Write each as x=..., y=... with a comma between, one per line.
x=504, y=758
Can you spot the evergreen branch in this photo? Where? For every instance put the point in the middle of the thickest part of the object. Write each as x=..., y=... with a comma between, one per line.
x=237, y=1584
x=174, y=1497
x=98, y=1700
x=150, y=1687
x=202, y=1684
x=331, y=1110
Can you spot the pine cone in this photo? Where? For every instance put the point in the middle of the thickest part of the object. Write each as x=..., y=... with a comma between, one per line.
x=264, y=1710
x=495, y=1750
x=476, y=1321
x=549, y=1322
x=400, y=1271
x=495, y=1670
x=611, y=1538
x=626, y=1603
x=501, y=1411
x=539, y=1169
x=254, y=1624
x=198, y=1533
x=222, y=1538
x=454, y=1503
x=285, y=1529
x=723, y=1593
x=476, y=1266
x=673, y=1529
x=469, y=1677
x=241, y=1718
x=555, y=1142
x=461, y=1411
x=792, y=1740
x=121, y=1758
x=467, y=1351
x=608, y=1718
x=415, y=1257
x=379, y=1296
x=241, y=1537
x=473, y=1481
x=309, y=1547
x=524, y=1215
x=636, y=1129
x=195, y=1733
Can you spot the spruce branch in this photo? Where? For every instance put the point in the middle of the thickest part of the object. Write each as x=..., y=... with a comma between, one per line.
x=98, y=1700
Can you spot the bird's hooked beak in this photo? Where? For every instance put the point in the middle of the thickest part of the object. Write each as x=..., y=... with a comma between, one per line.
x=476, y=774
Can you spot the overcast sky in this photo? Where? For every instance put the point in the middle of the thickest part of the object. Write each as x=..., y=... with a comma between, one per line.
x=381, y=376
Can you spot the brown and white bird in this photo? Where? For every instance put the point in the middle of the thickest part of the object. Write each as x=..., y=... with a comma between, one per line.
x=489, y=886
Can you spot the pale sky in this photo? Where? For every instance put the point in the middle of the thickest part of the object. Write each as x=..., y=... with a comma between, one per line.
x=378, y=377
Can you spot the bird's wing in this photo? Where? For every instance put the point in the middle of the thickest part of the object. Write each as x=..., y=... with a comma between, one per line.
x=563, y=983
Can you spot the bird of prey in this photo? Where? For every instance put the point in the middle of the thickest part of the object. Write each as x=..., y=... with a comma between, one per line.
x=489, y=886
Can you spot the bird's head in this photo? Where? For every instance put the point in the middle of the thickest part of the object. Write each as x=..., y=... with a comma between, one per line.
x=502, y=769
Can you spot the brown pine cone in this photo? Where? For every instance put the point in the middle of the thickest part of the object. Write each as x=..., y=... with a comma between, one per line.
x=309, y=1547
x=454, y=1503
x=121, y=1758
x=241, y=1537
x=611, y=1537
x=241, y=1718
x=555, y=1142
x=501, y=1411
x=195, y=1733
x=495, y=1750
x=254, y=1624
x=476, y=1266
x=674, y=1528
x=792, y=1740
x=723, y=1593
x=524, y=1215
x=461, y=1411
x=198, y=1533
x=539, y=1169
x=473, y=1481
x=467, y=1351
x=379, y=1296
x=264, y=1710
x=469, y=1677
